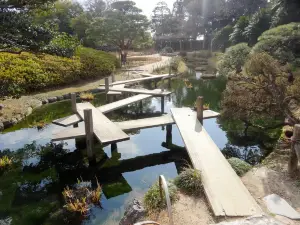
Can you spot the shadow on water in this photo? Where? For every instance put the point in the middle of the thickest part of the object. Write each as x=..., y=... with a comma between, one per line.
x=31, y=189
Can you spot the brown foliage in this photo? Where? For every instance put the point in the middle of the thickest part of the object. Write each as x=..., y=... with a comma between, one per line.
x=261, y=89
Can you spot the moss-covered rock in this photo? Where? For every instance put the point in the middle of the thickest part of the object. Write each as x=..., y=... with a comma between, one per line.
x=239, y=166
x=190, y=182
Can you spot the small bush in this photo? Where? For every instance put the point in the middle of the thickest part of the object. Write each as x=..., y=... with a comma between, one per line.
x=167, y=50
x=86, y=96
x=178, y=65
x=95, y=63
x=152, y=199
x=233, y=59
x=239, y=166
x=189, y=181
x=282, y=42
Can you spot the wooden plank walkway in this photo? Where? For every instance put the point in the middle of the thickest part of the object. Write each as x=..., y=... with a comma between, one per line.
x=145, y=123
x=68, y=120
x=225, y=191
x=136, y=80
x=122, y=103
x=104, y=129
x=71, y=133
x=155, y=92
x=116, y=92
x=74, y=119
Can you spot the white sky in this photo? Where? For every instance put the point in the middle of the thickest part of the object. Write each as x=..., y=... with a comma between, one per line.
x=146, y=5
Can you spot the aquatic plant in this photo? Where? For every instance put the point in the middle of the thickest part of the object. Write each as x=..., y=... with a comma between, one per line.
x=206, y=106
x=239, y=166
x=153, y=200
x=81, y=197
x=80, y=206
x=189, y=181
x=87, y=96
x=95, y=195
x=5, y=162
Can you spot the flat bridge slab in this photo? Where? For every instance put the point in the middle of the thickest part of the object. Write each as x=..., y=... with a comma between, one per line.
x=225, y=191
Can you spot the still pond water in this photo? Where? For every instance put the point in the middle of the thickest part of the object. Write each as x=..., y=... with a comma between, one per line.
x=31, y=192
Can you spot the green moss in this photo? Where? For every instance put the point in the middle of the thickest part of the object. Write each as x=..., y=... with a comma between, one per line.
x=189, y=181
x=239, y=166
x=153, y=201
x=116, y=188
x=46, y=113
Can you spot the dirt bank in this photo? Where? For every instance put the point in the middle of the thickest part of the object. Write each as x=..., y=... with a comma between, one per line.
x=270, y=177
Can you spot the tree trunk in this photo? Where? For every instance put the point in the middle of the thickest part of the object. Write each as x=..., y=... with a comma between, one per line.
x=295, y=151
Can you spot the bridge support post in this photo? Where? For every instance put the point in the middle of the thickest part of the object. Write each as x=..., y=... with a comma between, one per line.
x=295, y=151
x=199, y=106
x=162, y=104
x=74, y=108
x=169, y=80
x=89, y=132
x=106, y=88
x=141, y=107
x=169, y=135
x=113, y=78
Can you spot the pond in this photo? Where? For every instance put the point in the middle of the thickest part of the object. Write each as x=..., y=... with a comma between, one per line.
x=30, y=192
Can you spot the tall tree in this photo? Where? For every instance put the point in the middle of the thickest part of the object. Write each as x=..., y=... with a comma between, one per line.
x=120, y=26
x=285, y=11
x=96, y=7
x=238, y=34
x=258, y=23
x=161, y=19
x=17, y=25
x=63, y=13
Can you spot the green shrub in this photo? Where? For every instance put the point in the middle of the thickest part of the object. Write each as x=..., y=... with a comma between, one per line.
x=62, y=45
x=233, y=59
x=96, y=62
x=167, y=50
x=152, y=199
x=221, y=38
x=26, y=72
x=282, y=42
x=189, y=181
x=239, y=166
x=178, y=65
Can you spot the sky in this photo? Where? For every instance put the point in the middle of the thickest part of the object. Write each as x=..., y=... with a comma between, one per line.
x=146, y=5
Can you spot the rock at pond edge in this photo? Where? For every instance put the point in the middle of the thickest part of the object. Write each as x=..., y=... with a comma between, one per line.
x=133, y=213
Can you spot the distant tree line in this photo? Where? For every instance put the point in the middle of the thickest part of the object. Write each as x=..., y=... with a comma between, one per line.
x=59, y=26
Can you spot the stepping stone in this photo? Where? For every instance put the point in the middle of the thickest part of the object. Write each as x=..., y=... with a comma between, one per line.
x=279, y=206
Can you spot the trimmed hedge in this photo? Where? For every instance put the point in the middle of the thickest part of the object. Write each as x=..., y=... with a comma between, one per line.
x=26, y=72
x=282, y=42
x=233, y=59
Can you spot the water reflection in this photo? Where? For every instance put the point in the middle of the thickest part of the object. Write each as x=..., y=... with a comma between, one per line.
x=31, y=191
